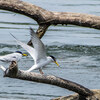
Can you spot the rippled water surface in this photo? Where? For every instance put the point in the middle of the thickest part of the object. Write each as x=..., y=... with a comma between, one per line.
x=77, y=50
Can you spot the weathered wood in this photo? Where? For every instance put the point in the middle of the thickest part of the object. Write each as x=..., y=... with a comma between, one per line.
x=13, y=72
x=40, y=32
x=46, y=18
x=42, y=16
x=75, y=96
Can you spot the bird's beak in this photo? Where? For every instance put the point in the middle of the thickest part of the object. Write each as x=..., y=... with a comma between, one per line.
x=56, y=63
x=24, y=54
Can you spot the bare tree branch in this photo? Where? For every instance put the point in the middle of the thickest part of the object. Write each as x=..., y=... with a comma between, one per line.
x=13, y=72
x=42, y=16
x=46, y=18
x=75, y=96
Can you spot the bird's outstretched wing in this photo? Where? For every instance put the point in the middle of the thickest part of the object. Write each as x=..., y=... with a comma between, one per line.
x=28, y=48
x=38, y=46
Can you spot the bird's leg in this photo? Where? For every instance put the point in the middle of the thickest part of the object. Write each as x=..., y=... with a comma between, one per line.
x=40, y=70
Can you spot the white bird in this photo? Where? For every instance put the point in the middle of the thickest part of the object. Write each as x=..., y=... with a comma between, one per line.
x=12, y=57
x=38, y=53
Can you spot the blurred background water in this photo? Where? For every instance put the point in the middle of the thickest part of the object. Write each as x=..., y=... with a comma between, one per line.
x=76, y=49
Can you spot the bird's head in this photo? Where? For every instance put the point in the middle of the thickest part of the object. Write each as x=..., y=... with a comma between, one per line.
x=21, y=53
x=54, y=60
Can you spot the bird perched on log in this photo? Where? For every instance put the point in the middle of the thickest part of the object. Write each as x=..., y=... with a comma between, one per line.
x=38, y=53
x=12, y=57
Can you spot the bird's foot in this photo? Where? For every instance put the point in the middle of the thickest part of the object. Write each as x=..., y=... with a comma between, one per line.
x=41, y=72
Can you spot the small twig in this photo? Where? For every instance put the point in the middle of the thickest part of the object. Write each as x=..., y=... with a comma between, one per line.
x=2, y=68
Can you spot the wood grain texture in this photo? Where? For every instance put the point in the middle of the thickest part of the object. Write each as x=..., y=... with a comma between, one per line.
x=13, y=72
x=42, y=16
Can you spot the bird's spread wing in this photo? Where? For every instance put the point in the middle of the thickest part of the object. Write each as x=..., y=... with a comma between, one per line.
x=38, y=46
x=29, y=49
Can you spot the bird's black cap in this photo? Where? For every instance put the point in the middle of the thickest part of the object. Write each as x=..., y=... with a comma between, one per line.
x=19, y=52
x=53, y=57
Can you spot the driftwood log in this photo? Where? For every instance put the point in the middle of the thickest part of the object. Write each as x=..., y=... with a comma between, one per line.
x=44, y=19
x=96, y=96
x=14, y=72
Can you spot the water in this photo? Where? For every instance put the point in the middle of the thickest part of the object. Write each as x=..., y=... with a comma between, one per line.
x=77, y=50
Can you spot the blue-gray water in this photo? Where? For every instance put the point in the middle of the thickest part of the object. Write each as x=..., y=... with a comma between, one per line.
x=77, y=50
